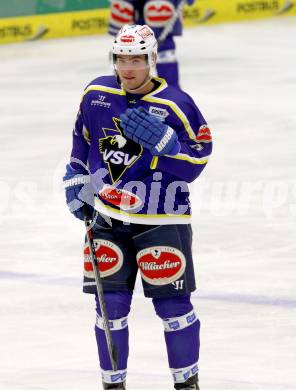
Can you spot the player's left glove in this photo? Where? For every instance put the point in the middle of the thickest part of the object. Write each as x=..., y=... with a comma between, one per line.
x=79, y=193
x=150, y=132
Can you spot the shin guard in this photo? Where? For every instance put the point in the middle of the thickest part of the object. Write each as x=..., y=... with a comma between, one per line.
x=118, y=307
x=181, y=330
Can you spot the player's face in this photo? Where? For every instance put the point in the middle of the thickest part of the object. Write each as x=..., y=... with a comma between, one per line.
x=132, y=70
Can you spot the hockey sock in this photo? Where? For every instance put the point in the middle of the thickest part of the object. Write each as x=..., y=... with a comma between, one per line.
x=118, y=307
x=181, y=330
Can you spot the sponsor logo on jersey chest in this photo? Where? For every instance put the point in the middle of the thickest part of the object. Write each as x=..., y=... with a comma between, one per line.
x=100, y=102
x=119, y=197
x=160, y=113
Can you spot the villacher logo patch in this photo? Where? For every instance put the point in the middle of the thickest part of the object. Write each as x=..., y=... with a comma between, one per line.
x=109, y=255
x=161, y=265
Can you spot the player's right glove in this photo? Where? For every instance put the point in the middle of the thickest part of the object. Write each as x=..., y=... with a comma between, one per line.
x=79, y=193
x=150, y=132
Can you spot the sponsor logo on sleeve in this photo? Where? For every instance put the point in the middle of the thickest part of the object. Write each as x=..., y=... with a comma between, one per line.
x=161, y=265
x=204, y=134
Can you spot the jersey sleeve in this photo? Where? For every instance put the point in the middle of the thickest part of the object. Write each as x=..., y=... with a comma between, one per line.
x=195, y=139
x=80, y=143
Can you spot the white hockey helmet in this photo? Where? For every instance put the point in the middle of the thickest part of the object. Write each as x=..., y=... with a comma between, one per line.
x=136, y=40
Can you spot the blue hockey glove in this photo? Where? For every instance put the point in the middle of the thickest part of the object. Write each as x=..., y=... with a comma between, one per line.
x=79, y=193
x=150, y=132
x=190, y=2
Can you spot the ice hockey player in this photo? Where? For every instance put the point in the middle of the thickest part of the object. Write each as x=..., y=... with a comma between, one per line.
x=157, y=14
x=137, y=143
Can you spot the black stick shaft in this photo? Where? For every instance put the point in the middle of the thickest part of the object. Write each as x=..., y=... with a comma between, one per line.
x=111, y=347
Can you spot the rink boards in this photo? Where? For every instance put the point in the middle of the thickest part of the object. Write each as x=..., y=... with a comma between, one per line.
x=95, y=21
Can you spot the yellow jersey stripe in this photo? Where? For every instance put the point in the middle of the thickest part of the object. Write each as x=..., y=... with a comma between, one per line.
x=149, y=98
x=102, y=88
x=192, y=160
x=163, y=85
x=154, y=162
x=180, y=114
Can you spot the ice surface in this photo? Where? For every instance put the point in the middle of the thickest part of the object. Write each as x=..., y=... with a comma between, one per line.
x=243, y=77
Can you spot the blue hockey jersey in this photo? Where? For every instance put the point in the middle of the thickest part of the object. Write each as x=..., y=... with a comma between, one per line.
x=130, y=184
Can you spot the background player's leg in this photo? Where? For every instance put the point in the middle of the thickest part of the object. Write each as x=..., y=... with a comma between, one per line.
x=167, y=64
x=118, y=307
x=181, y=330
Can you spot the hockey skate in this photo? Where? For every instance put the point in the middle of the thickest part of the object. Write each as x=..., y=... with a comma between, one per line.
x=114, y=386
x=190, y=384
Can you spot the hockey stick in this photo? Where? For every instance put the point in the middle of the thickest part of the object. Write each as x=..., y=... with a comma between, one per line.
x=169, y=27
x=111, y=347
